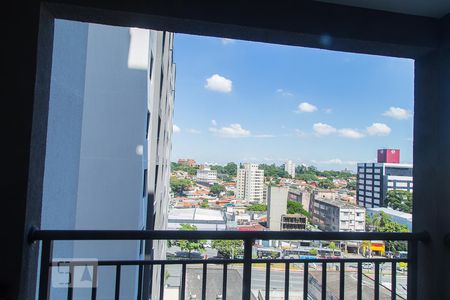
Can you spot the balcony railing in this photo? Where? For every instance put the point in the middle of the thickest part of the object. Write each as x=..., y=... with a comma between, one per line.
x=48, y=237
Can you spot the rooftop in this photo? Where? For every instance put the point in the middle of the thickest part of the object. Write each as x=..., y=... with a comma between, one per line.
x=391, y=211
x=198, y=214
x=338, y=203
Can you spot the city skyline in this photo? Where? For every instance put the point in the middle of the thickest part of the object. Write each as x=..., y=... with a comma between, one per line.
x=265, y=103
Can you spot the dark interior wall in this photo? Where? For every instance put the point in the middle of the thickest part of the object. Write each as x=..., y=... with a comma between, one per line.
x=303, y=23
x=432, y=161
x=19, y=67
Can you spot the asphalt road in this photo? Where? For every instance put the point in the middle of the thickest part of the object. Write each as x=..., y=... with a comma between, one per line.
x=277, y=279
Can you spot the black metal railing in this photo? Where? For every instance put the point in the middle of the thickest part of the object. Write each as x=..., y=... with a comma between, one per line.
x=48, y=237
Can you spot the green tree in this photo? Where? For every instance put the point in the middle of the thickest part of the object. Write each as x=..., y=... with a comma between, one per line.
x=229, y=193
x=189, y=245
x=274, y=171
x=313, y=251
x=399, y=200
x=257, y=207
x=216, y=189
x=308, y=177
x=326, y=184
x=181, y=167
x=230, y=169
x=351, y=185
x=332, y=246
x=382, y=223
x=294, y=207
x=204, y=204
x=228, y=248
x=178, y=186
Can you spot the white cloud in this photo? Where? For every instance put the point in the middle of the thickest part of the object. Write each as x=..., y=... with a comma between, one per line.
x=350, y=133
x=219, y=83
x=213, y=122
x=284, y=93
x=232, y=131
x=323, y=129
x=176, y=129
x=397, y=113
x=226, y=41
x=306, y=107
x=328, y=111
x=378, y=129
x=192, y=130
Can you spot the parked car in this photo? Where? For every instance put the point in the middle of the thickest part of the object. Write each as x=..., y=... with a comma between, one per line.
x=185, y=254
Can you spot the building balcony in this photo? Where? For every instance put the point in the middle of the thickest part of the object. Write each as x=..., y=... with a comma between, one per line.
x=329, y=277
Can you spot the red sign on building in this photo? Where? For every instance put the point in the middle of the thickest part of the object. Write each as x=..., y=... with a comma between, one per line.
x=389, y=156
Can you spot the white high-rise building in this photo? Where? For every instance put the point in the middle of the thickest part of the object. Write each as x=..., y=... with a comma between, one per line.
x=289, y=167
x=250, y=183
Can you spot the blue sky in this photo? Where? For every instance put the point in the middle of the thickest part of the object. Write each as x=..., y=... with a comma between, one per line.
x=245, y=101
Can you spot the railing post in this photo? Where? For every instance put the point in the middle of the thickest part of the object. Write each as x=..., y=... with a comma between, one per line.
x=412, y=269
x=247, y=268
x=45, y=277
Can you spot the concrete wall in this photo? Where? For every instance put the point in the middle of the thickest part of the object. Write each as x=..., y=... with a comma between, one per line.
x=277, y=206
x=97, y=120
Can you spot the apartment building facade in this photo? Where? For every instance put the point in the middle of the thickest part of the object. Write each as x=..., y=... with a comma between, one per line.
x=161, y=72
x=335, y=215
x=293, y=222
x=374, y=180
x=289, y=167
x=250, y=183
x=109, y=133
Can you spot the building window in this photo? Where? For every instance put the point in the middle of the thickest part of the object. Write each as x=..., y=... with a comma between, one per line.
x=144, y=190
x=148, y=124
x=150, y=69
x=161, y=81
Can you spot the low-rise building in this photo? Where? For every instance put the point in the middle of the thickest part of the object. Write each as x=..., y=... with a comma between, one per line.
x=295, y=222
x=335, y=215
x=395, y=215
x=202, y=218
x=300, y=196
x=206, y=175
x=187, y=161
